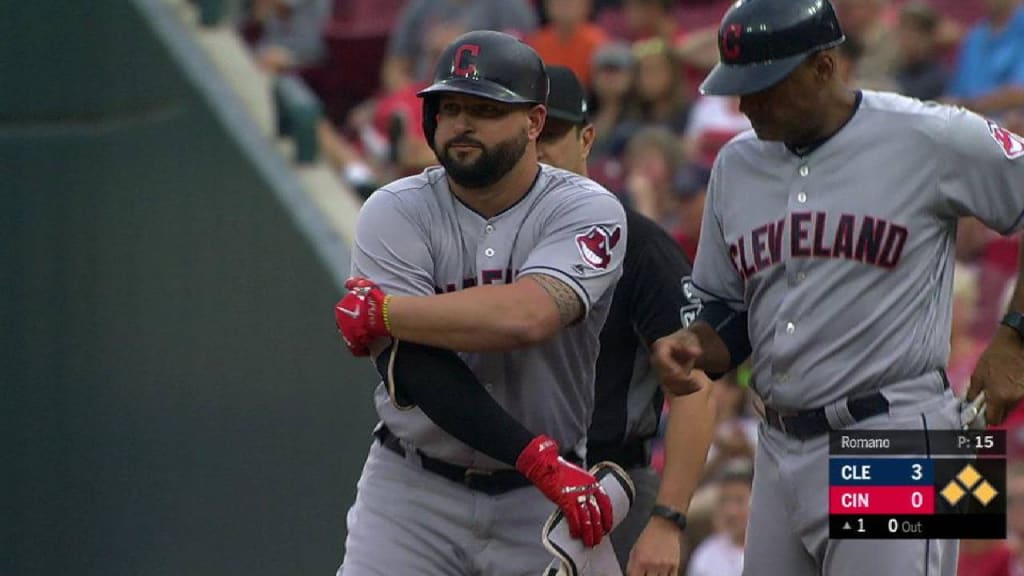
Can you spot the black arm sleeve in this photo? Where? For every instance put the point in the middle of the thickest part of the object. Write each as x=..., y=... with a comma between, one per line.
x=657, y=271
x=448, y=392
x=731, y=326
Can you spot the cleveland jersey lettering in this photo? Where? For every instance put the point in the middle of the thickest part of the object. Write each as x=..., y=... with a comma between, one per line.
x=864, y=239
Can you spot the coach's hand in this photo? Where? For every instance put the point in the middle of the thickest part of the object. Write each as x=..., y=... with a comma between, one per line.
x=362, y=315
x=1000, y=373
x=674, y=358
x=657, y=551
x=583, y=502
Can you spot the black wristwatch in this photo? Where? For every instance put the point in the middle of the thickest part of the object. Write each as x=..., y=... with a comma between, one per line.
x=1015, y=320
x=674, y=516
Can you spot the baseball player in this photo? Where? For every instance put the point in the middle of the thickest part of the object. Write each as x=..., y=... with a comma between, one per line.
x=647, y=303
x=512, y=264
x=826, y=256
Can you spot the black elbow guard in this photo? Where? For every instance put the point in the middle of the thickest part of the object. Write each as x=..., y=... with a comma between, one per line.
x=731, y=327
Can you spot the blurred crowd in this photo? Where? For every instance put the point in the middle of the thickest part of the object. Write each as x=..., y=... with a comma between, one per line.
x=656, y=139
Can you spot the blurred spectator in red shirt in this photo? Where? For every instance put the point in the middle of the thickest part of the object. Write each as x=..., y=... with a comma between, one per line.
x=920, y=74
x=984, y=558
x=1015, y=515
x=863, y=22
x=714, y=120
x=995, y=259
x=569, y=39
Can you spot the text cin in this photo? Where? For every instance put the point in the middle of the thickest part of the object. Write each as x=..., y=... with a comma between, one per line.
x=855, y=500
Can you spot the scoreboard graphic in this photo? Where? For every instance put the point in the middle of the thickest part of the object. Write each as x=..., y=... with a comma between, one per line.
x=937, y=484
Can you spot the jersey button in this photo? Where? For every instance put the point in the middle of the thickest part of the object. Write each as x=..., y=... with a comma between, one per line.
x=804, y=170
x=489, y=252
x=801, y=197
x=800, y=277
x=790, y=328
x=488, y=228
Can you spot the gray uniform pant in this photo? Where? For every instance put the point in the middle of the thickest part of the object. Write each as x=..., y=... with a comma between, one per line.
x=787, y=533
x=409, y=521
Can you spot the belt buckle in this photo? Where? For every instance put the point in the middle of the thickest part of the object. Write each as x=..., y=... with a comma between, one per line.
x=471, y=473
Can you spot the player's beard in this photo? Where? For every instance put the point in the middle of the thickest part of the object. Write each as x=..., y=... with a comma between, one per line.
x=490, y=165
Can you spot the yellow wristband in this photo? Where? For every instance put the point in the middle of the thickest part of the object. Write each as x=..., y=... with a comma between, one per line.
x=384, y=313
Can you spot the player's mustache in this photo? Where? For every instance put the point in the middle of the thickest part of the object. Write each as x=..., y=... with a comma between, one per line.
x=463, y=140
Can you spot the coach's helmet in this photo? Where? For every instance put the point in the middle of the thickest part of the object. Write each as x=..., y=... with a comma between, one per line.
x=761, y=41
x=488, y=64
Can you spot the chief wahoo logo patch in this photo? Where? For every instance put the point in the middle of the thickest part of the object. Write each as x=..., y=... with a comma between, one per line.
x=596, y=246
x=1012, y=144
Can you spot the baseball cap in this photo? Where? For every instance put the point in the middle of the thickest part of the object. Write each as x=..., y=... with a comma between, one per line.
x=566, y=99
x=613, y=55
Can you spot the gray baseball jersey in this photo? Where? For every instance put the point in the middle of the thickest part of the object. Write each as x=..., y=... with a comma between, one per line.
x=414, y=237
x=843, y=257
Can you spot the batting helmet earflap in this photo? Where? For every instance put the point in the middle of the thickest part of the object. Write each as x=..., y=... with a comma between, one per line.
x=760, y=42
x=488, y=64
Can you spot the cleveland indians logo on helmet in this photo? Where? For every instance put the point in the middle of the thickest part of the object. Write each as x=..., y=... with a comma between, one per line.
x=597, y=244
x=730, y=40
x=1012, y=144
x=465, y=60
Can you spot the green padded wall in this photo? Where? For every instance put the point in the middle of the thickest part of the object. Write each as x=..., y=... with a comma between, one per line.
x=174, y=399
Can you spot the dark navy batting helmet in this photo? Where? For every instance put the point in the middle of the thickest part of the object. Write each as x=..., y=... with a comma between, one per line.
x=760, y=42
x=488, y=64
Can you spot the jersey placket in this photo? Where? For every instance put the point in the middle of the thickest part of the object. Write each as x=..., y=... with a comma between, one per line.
x=787, y=323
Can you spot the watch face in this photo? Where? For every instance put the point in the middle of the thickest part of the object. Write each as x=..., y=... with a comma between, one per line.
x=1015, y=320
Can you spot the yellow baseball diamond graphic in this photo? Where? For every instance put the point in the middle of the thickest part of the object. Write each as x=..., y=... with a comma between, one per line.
x=969, y=480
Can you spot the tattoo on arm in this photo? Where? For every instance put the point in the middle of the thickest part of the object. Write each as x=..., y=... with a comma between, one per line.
x=570, y=308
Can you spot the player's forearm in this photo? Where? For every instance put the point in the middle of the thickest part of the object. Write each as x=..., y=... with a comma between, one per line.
x=691, y=423
x=480, y=319
x=715, y=358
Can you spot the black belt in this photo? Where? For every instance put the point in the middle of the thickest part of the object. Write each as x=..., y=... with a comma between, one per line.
x=810, y=423
x=491, y=482
x=631, y=454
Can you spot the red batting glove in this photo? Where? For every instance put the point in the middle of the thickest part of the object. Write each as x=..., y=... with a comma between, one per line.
x=577, y=493
x=361, y=315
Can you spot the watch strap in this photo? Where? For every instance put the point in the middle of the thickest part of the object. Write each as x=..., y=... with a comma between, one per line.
x=670, y=514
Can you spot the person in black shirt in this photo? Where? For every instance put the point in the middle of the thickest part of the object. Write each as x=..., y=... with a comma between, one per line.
x=650, y=302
